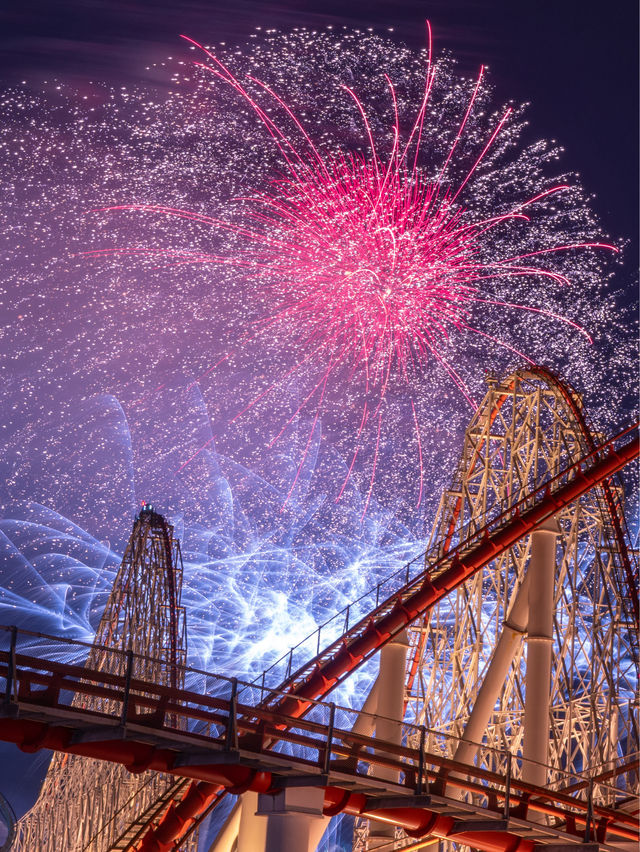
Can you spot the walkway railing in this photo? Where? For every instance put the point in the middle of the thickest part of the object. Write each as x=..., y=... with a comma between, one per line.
x=50, y=703
x=42, y=698
x=432, y=561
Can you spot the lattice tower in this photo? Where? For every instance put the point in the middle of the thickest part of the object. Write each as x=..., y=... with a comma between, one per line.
x=96, y=806
x=528, y=428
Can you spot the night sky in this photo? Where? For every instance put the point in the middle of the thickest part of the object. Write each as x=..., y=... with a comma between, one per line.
x=575, y=62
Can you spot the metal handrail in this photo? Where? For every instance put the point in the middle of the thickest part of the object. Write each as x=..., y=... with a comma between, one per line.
x=323, y=737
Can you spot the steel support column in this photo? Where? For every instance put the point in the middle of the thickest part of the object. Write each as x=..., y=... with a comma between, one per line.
x=514, y=628
x=227, y=836
x=542, y=565
x=252, y=827
x=389, y=714
x=295, y=820
x=365, y=723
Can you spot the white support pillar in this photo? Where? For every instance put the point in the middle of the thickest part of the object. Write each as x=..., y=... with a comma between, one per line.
x=248, y=828
x=295, y=819
x=389, y=715
x=292, y=819
x=228, y=834
x=365, y=722
x=514, y=628
x=252, y=829
x=542, y=566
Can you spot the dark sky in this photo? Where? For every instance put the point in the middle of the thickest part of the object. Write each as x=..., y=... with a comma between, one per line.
x=576, y=62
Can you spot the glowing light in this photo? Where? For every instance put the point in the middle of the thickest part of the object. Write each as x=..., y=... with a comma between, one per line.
x=257, y=580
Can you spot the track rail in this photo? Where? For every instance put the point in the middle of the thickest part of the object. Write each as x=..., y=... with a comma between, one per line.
x=316, y=678
x=616, y=515
x=618, y=534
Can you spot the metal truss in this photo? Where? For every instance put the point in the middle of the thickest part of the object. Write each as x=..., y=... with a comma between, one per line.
x=88, y=805
x=528, y=427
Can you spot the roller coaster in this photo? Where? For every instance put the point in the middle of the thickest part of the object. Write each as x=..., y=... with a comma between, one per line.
x=503, y=717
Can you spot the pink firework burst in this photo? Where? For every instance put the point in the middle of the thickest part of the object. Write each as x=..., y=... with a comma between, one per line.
x=371, y=261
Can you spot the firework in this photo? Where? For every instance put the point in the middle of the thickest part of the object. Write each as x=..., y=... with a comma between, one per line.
x=257, y=580
x=167, y=368
x=374, y=257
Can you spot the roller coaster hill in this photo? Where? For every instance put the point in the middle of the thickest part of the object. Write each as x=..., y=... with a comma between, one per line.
x=504, y=716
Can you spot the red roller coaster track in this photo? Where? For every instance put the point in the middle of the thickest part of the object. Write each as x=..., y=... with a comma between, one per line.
x=629, y=580
x=321, y=674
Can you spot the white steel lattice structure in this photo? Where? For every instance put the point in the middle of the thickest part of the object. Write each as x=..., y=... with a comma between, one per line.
x=97, y=806
x=478, y=654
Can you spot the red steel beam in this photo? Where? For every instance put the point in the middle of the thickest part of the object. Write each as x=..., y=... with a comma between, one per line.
x=209, y=779
x=614, y=510
x=31, y=734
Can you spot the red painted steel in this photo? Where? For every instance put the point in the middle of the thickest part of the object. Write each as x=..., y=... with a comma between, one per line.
x=237, y=778
x=419, y=822
x=179, y=818
x=615, y=514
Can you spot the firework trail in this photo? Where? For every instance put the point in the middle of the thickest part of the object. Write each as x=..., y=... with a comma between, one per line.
x=212, y=314
x=373, y=258
x=257, y=580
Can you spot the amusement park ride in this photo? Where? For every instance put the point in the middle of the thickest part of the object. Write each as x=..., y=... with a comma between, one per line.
x=503, y=718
